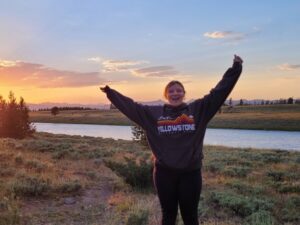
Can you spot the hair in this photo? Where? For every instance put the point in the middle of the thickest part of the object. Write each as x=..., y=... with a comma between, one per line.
x=171, y=83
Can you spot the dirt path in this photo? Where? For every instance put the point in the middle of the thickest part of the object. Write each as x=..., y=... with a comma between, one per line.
x=89, y=207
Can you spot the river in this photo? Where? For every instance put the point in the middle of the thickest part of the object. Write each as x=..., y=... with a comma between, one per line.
x=284, y=140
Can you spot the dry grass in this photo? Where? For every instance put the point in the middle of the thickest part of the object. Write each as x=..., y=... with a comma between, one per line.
x=102, y=197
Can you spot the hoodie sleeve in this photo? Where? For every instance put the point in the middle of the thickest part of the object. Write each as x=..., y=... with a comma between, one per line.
x=217, y=96
x=134, y=111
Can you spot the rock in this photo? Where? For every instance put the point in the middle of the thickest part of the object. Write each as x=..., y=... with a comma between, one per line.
x=70, y=201
x=98, y=161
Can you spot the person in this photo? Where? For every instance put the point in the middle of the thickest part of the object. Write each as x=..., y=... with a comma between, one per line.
x=175, y=133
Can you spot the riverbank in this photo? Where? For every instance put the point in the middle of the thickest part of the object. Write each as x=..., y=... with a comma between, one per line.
x=61, y=179
x=261, y=117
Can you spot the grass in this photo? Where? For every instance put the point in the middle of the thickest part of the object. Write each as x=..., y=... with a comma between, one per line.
x=259, y=117
x=110, y=181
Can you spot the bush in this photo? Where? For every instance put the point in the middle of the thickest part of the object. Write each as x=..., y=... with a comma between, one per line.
x=69, y=187
x=271, y=158
x=276, y=175
x=30, y=186
x=241, y=205
x=33, y=164
x=136, y=175
x=139, y=217
x=9, y=212
x=289, y=189
x=14, y=118
x=291, y=210
x=237, y=171
x=260, y=217
x=214, y=167
x=244, y=188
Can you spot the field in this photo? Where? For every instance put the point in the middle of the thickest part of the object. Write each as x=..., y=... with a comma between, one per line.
x=64, y=180
x=260, y=117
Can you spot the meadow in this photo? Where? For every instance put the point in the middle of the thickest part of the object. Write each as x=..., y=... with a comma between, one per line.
x=63, y=180
x=257, y=117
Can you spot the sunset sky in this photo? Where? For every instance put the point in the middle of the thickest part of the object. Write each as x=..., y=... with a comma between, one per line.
x=62, y=51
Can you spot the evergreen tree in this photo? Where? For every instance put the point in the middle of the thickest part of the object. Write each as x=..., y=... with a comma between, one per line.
x=14, y=118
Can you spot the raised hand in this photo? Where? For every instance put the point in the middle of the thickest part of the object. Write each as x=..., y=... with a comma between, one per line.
x=237, y=59
x=102, y=89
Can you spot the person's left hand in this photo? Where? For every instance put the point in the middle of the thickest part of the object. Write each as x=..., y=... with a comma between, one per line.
x=237, y=59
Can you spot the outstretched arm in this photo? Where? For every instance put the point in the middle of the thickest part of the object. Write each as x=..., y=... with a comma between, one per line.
x=217, y=96
x=134, y=111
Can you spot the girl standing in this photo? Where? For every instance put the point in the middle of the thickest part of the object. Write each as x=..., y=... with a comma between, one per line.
x=175, y=133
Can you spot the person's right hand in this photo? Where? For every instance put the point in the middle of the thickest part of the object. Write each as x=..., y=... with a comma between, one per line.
x=102, y=89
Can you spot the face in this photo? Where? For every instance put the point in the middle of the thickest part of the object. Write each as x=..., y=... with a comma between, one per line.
x=175, y=95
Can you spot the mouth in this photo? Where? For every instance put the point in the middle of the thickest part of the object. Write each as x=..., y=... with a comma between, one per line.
x=176, y=98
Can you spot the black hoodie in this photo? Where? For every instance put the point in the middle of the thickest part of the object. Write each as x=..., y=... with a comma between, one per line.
x=175, y=134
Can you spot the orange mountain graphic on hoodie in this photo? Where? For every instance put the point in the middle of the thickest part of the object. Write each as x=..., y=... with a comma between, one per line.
x=182, y=123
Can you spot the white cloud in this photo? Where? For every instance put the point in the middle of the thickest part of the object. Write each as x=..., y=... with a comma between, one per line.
x=156, y=71
x=96, y=59
x=120, y=65
x=288, y=67
x=229, y=35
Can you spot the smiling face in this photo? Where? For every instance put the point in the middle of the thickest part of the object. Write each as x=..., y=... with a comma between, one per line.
x=175, y=94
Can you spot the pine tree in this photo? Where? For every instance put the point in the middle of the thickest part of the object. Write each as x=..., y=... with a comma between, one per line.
x=14, y=118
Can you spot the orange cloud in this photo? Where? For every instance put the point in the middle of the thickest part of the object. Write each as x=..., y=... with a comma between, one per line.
x=17, y=73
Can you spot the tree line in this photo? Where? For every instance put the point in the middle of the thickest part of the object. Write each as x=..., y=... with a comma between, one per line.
x=14, y=118
x=265, y=102
x=65, y=108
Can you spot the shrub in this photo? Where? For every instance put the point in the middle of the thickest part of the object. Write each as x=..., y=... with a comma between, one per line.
x=260, y=217
x=14, y=118
x=276, y=175
x=19, y=159
x=244, y=188
x=30, y=186
x=243, y=206
x=214, y=167
x=33, y=164
x=140, y=217
x=271, y=158
x=291, y=210
x=10, y=216
x=136, y=175
x=238, y=171
x=289, y=189
x=4, y=172
x=69, y=187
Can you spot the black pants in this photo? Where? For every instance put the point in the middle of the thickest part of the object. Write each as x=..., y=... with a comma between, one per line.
x=178, y=188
